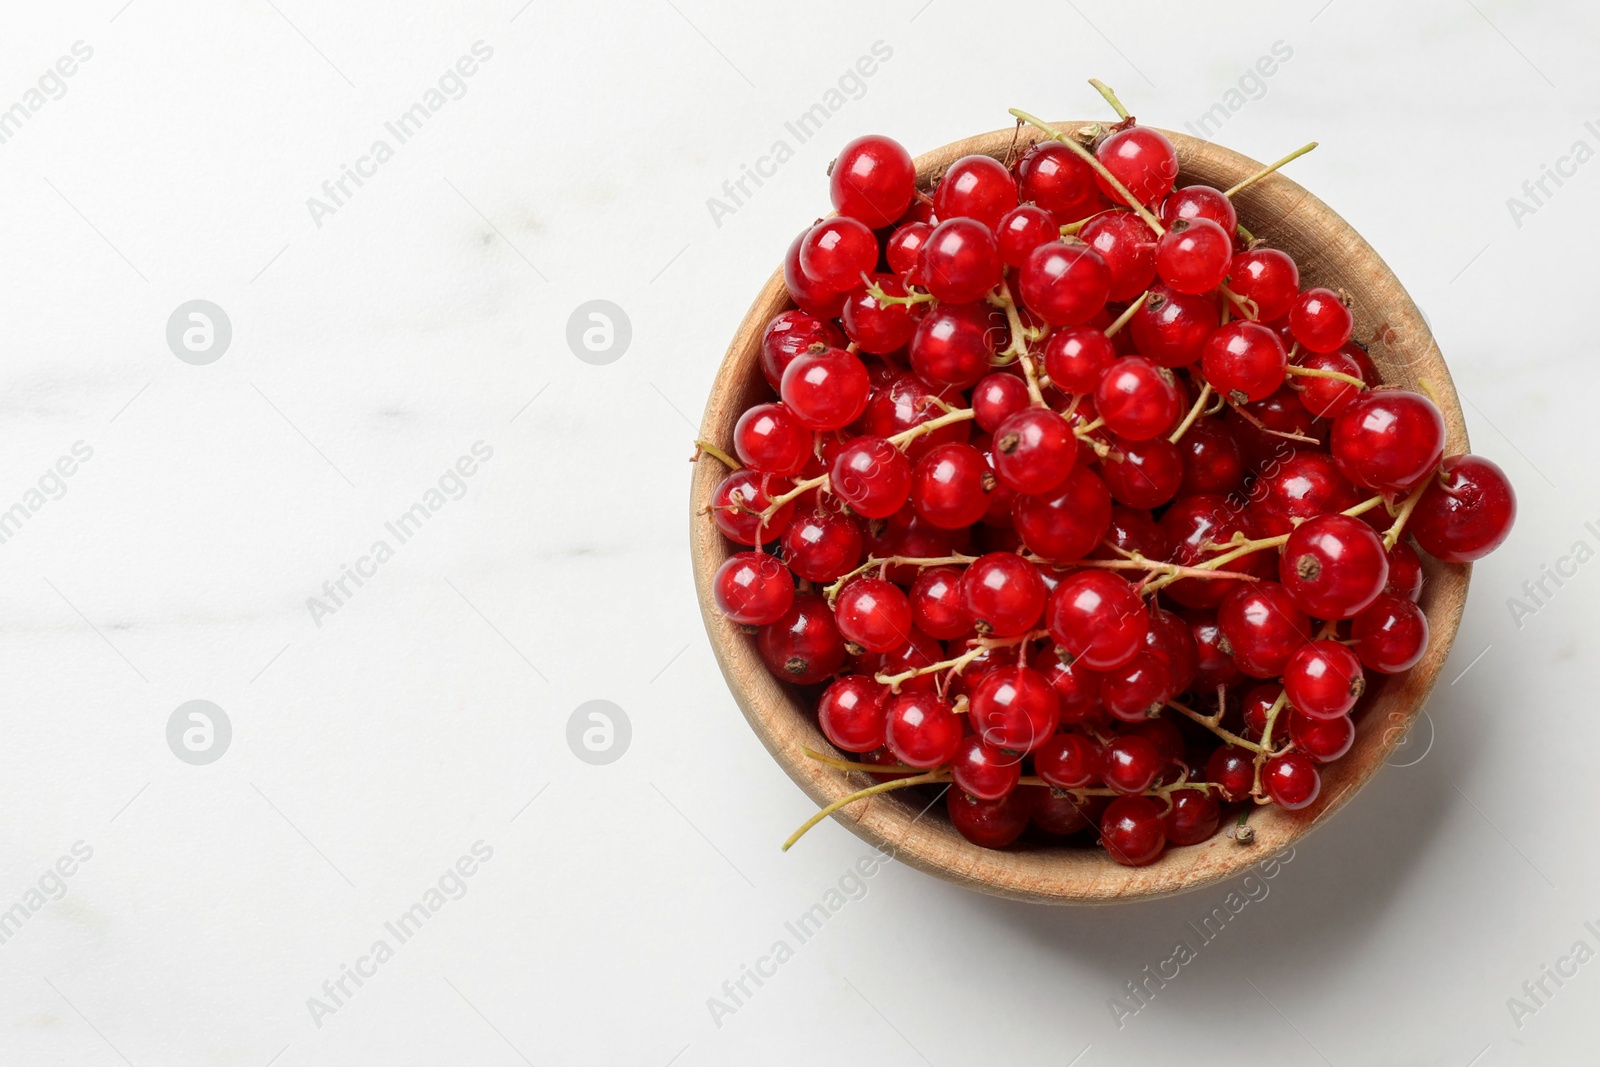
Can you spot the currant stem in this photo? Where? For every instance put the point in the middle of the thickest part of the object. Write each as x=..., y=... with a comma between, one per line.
x=1265, y=748
x=1251, y=310
x=1194, y=413
x=1264, y=428
x=860, y=794
x=1264, y=171
x=1111, y=98
x=1210, y=723
x=1123, y=319
x=884, y=299
x=1019, y=344
x=850, y=765
x=1403, y=516
x=1140, y=563
x=959, y=663
x=1314, y=372
x=1088, y=156
x=715, y=453
x=832, y=592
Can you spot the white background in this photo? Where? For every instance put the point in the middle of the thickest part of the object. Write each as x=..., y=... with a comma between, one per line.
x=372, y=751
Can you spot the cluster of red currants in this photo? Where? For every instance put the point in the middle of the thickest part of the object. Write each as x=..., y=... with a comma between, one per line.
x=1072, y=498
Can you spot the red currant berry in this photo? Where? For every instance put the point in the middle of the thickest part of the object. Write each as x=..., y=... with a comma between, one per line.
x=922, y=730
x=1129, y=764
x=936, y=607
x=837, y=251
x=1192, y=523
x=1056, y=812
x=738, y=502
x=990, y=823
x=1172, y=327
x=1466, y=512
x=1262, y=627
x=1142, y=474
x=1305, y=485
x=769, y=439
x=1077, y=687
x=1128, y=245
x=1244, y=362
x=1324, y=679
x=875, y=328
x=1066, y=285
x=1214, y=667
x=997, y=397
x=1291, y=781
x=1391, y=635
x=960, y=261
x=1003, y=594
x=903, y=250
x=1098, y=618
x=1138, y=399
x=1133, y=530
x=1212, y=460
x=874, y=614
x=1172, y=642
x=953, y=346
x=950, y=486
x=1065, y=524
x=905, y=403
x=1320, y=320
x=1015, y=708
x=851, y=713
x=811, y=296
x=1140, y=158
x=1324, y=740
x=1034, y=451
x=975, y=187
x=1390, y=439
x=872, y=476
x=825, y=388
x=822, y=545
x=1193, y=817
x=1132, y=830
x=1193, y=256
x=1405, y=572
x=919, y=652
x=1068, y=761
x=984, y=771
x=803, y=646
x=1021, y=230
x=872, y=180
x=1232, y=771
x=1136, y=690
x=1076, y=358
x=1327, y=397
x=789, y=334
x=1333, y=566
x=1200, y=202
x=1267, y=277
x=753, y=588
x=1057, y=179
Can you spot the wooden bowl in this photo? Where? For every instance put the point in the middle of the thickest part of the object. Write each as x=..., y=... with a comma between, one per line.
x=1329, y=253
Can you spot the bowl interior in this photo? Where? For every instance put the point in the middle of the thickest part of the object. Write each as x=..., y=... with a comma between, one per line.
x=1330, y=254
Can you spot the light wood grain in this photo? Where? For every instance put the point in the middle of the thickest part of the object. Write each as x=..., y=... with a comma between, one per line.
x=1329, y=253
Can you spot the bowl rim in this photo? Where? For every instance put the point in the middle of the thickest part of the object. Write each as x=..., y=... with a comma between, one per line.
x=1405, y=352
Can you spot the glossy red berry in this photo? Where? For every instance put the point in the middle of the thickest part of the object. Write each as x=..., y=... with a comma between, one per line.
x=1034, y=451
x=1233, y=770
x=874, y=614
x=803, y=646
x=1128, y=245
x=1244, y=362
x=1333, y=566
x=1390, y=635
x=1098, y=618
x=1075, y=358
x=1057, y=179
x=1200, y=202
x=984, y=771
x=739, y=501
x=1388, y=439
x=975, y=187
x=1405, y=572
x=1021, y=230
x=1064, y=284
x=872, y=476
x=1267, y=277
x=1066, y=523
x=1327, y=397
x=959, y=262
x=1015, y=708
x=873, y=180
x=1137, y=398
x=1068, y=761
x=753, y=588
x=953, y=346
x=1262, y=627
x=1172, y=328
x=1323, y=679
x=1133, y=832
x=997, y=397
x=1078, y=688
x=1003, y=594
x=811, y=296
x=789, y=334
x=1320, y=320
x=1193, y=256
x=1466, y=512
x=1193, y=817
x=822, y=545
x=1143, y=160
x=1291, y=781
x=950, y=486
x=1214, y=666
x=769, y=439
x=837, y=251
x=903, y=250
x=1142, y=474
x=936, y=607
x=825, y=388
x=1129, y=764
x=1059, y=813
x=1212, y=460
x=1171, y=641
x=1303, y=486
x=851, y=713
x=990, y=823
x=1191, y=524
x=1324, y=740
x=876, y=328
x=922, y=729
x=1138, y=689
